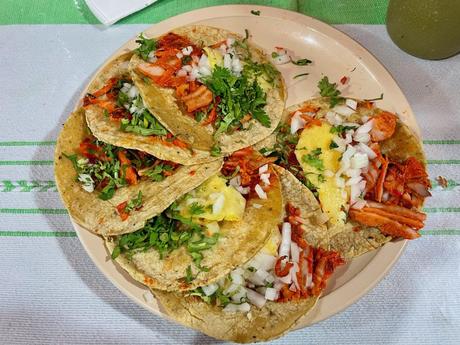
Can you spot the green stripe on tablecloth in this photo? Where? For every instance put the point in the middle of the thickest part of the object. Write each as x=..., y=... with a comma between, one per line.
x=27, y=186
x=76, y=11
x=52, y=142
x=441, y=142
x=38, y=234
x=441, y=232
x=27, y=143
x=37, y=162
x=33, y=210
x=438, y=232
x=64, y=211
x=444, y=161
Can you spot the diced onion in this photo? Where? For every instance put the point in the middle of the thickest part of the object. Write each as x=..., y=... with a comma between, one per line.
x=293, y=272
x=187, y=50
x=263, y=169
x=244, y=190
x=359, y=161
x=333, y=118
x=286, y=279
x=328, y=173
x=343, y=110
x=239, y=295
x=359, y=204
x=133, y=92
x=353, y=172
x=179, y=55
x=340, y=182
x=271, y=294
x=209, y=289
x=256, y=298
x=265, y=261
x=257, y=206
x=367, y=150
x=258, y=277
x=235, y=181
x=233, y=287
x=297, y=122
x=237, y=278
x=265, y=178
x=260, y=192
x=365, y=128
x=270, y=279
x=362, y=138
x=181, y=73
x=353, y=180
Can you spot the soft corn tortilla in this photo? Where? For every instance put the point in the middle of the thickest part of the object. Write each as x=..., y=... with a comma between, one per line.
x=274, y=319
x=238, y=242
x=109, y=131
x=100, y=216
x=402, y=145
x=162, y=101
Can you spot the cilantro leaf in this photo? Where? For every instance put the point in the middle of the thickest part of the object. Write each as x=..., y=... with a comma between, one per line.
x=301, y=62
x=340, y=129
x=313, y=159
x=196, y=209
x=146, y=45
x=135, y=203
x=327, y=89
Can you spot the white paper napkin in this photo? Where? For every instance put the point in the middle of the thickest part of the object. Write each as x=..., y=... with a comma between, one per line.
x=111, y=11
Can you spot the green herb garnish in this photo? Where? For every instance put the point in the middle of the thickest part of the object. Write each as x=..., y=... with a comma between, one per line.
x=340, y=129
x=255, y=12
x=134, y=204
x=215, y=150
x=196, y=209
x=146, y=46
x=313, y=159
x=333, y=145
x=327, y=89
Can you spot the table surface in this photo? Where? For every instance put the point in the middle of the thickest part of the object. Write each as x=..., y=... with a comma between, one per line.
x=51, y=291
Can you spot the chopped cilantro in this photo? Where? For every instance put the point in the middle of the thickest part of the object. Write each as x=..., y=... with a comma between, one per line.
x=275, y=55
x=239, y=96
x=146, y=45
x=157, y=172
x=340, y=129
x=134, y=204
x=189, y=275
x=327, y=89
x=196, y=209
x=215, y=150
x=313, y=159
x=255, y=12
x=186, y=59
x=333, y=145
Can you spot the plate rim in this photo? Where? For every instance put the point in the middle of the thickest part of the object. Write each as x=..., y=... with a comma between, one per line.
x=390, y=252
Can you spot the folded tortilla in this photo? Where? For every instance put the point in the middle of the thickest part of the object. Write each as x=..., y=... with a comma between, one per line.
x=100, y=216
x=238, y=242
x=273, y=319
x=162, y=101
x=402, y=145
x=109, y=131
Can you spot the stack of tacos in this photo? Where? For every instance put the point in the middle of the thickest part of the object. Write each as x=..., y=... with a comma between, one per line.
x=233, y=210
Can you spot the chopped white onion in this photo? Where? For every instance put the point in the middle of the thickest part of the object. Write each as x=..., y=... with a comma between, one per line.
x=353, y=172
x=343, y=110
x=263, y=169
x=179, y=55
x=271, y=294
x=270, y=278
x=286, y=279
x=133, y=92
x=340, y=182
x=359, y=161
x=87, y=182
x=258, y=277
x=333, y=118
x=265, y=178
x=181, y=73
x=293, y=272
x=233, y=287
x=265, y=261
x=362, y=138
x=365, y=128
x=235, y=181
x=354, y=180
x=237, y=278
x=297, y=122
x=359, y=204
x=209, y=289
x=351, y=103
x=243, y=190
x=256, y=298
x=257, y=206
x=239, y=295
x=260, y=192
x=367, y=150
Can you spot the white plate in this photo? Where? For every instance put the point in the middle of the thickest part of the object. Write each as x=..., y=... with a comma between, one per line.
x=333, y=54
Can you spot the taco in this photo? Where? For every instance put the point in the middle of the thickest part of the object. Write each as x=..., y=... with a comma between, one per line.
x=265, y=297
x=116, y=114
x=210, y=87
x=208, y=231
x=365, y=166
x=112, y=190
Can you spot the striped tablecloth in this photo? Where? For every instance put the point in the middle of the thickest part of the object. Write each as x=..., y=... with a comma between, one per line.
x=51, y=293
